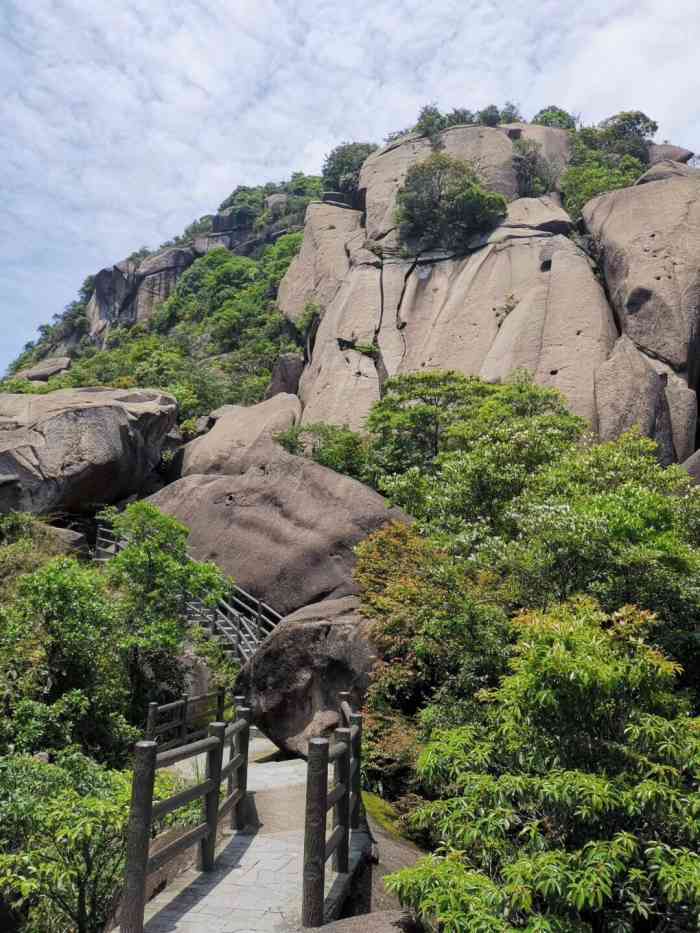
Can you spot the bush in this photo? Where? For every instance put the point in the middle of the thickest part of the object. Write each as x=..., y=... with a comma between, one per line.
x=603, y=158
x=341, y=167
x=580, y=183
x=442, y=204
x=337, y=448
x=573, y=806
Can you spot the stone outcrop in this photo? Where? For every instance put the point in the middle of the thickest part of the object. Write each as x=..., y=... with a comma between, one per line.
x=158, y=276
x=235, y=431
x=74, y=449
x=129, y=292
x=660, y=152
x=489, y=149
x=660, y=171
x=45, y=369
x=282, y=526
x=649, y=239
x=293, y=683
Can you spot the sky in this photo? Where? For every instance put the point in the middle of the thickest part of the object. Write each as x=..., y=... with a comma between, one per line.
x=121, y=122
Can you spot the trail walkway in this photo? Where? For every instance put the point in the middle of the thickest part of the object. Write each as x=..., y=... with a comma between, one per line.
x=257, y=881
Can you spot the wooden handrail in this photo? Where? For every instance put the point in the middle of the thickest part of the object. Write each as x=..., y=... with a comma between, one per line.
x=143, y=811
x=344, y=799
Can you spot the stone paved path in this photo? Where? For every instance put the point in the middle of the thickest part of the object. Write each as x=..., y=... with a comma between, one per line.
x=256, y=884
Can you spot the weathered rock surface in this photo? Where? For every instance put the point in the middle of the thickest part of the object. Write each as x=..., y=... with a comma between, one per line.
x=323, y=262
x=660, y=171
x=293, y=682
x=45, y=369
x=158, y=277
x=76, y=448
x=129, y=292
x=283, y=527
x=286, y=375
x=649, y=237
x=235, y=431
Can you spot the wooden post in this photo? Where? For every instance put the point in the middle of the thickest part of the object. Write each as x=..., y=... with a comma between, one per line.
x=315, y=834
x=183, y=721
x=151, y=721
x=343, y=696
x=138, y=837
x=241, y=742
x=211, y=801
x=220, y=704
x=341, y=811
x=356, y=781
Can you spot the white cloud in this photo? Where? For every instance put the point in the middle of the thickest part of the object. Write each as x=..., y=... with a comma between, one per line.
x=123, y=122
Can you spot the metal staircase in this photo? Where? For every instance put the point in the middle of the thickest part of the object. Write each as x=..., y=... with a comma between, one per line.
x=240, y=623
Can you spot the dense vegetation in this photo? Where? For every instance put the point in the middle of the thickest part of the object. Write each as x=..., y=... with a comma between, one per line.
x=538, y=633
x=83, y=650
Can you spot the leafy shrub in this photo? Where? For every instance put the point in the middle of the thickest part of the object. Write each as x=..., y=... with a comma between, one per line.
x=335, y=447
x=581, y=183
x=341, y=167
x=442, y=204
x=535, y=174
x=573, y=806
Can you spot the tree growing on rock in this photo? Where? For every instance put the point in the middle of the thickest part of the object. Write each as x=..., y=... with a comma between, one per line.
x=341, y=167
x=443, y=204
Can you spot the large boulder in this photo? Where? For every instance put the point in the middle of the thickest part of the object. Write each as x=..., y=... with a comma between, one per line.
x=660, y=171
x=237, y=430
x=282, y=526
x=45, y=369
x=292, y=683
x=75, y=449
x=649, y=239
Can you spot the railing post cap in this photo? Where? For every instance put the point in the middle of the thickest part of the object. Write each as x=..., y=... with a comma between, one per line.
x=318, y=742
x=145, y=745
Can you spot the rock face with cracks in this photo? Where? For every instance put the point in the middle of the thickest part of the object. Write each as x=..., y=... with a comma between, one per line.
x=75, y=449
x=293, y=681
x=528, y=295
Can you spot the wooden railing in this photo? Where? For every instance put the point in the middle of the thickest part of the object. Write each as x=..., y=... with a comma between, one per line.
x=241, y=621
x=147, y=760
x=344, y=798
x=184, y=720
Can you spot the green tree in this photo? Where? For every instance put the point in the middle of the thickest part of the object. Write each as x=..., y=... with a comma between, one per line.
x=442, y=204
x=154, y=579
x=341, y=167
x=556, y=117
x=489, y=116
